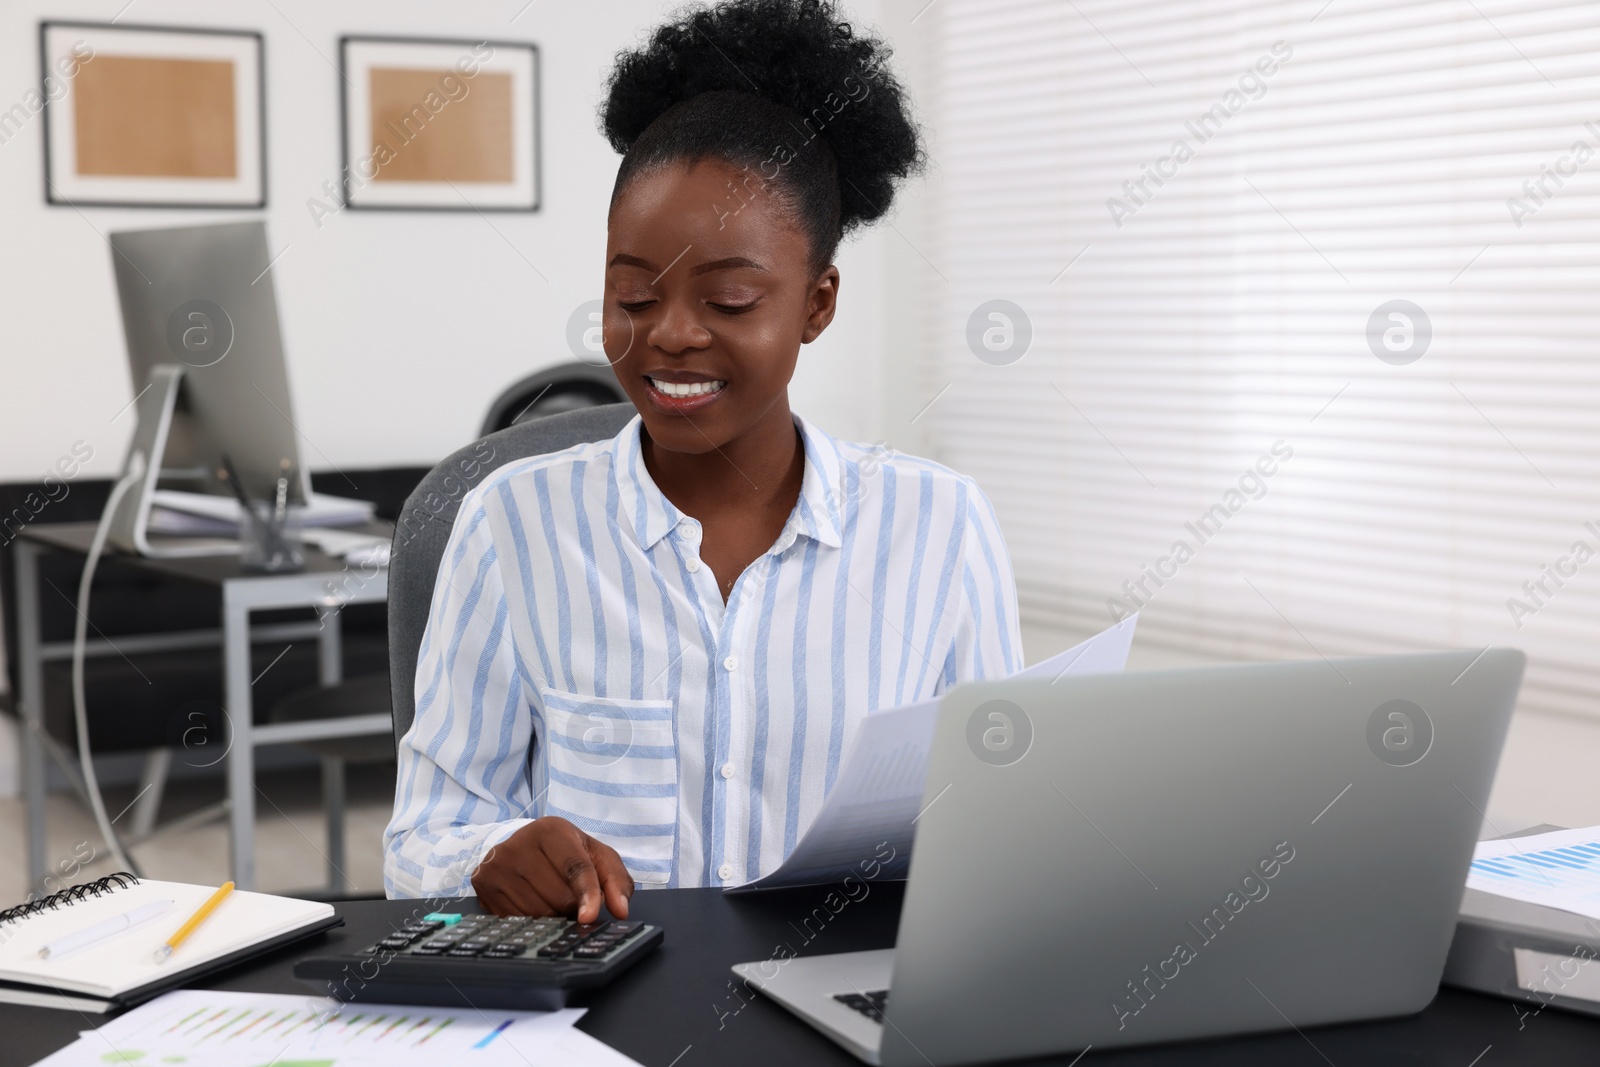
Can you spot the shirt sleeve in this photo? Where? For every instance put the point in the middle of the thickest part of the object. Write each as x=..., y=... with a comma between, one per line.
x=988, y=638
x=462, y=783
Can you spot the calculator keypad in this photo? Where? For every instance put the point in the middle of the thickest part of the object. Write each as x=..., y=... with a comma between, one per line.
x=504, y=938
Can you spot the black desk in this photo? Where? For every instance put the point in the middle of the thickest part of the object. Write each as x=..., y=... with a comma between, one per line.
x=680, y=1005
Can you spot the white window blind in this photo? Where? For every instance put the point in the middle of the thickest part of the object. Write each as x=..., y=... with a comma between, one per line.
x=1334, y=158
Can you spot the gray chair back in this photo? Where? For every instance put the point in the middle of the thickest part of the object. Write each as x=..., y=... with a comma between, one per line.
x=423, y=528
x=564, y=387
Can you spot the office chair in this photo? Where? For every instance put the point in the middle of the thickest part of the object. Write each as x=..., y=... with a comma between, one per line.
x=564, y=387
x=426, y=520
x=421, y=530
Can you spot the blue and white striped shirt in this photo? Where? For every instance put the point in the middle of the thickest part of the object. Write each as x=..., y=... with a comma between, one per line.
x=579, y=660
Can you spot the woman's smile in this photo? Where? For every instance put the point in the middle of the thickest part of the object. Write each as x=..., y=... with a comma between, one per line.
x=682, y=392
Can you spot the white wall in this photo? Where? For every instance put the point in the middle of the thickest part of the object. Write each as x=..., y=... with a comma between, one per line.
x=399, y=327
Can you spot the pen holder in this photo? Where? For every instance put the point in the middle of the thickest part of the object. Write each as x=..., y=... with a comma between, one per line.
x=266, y=543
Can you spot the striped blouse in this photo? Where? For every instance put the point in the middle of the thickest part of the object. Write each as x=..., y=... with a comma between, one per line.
x=579, y=659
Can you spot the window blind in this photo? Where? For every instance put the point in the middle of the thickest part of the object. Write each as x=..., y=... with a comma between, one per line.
x=1297, y=344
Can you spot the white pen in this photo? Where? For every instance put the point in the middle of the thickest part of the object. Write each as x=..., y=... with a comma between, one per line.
x=102, y=930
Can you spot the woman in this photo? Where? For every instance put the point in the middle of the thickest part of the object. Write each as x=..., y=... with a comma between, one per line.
x=645, y=656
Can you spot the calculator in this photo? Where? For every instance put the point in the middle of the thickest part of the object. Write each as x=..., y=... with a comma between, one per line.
x=450, y=960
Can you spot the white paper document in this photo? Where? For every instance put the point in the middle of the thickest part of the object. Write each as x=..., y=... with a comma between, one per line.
x=869, y=815
x=177, y=512
x=205, y=1028
x=1560, y=869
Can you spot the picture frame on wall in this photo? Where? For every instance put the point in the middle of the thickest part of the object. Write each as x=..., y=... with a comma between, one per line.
x=153, y=116
x=439, y=125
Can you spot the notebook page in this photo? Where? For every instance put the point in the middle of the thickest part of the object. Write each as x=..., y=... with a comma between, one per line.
x=125, y=960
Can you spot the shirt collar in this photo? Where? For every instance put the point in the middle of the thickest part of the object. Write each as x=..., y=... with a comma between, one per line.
x=646, y=508
x=818, y=511
x=653, y=516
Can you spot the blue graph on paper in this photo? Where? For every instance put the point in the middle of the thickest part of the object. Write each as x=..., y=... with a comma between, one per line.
x=1559, y=870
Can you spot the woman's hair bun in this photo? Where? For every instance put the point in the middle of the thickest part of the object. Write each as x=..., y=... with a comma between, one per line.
x=826, y=80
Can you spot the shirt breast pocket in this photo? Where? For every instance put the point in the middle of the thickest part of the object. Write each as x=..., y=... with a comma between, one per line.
x=613, y=772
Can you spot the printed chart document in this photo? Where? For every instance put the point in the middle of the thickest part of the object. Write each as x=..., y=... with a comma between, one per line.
x=1560, y=869
x=205, y=1028
x=878, y=794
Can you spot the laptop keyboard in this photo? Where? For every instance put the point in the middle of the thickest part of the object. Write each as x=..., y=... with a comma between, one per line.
x=870, y=1004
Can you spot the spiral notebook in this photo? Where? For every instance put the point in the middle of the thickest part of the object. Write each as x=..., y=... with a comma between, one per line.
x=119, y=971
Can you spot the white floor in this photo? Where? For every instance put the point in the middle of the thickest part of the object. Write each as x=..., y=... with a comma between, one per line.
x=290, y=835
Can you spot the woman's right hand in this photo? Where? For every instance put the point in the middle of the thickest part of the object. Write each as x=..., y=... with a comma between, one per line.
x=550, y=867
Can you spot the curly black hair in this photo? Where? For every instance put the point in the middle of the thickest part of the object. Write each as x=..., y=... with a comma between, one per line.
x=782, y=88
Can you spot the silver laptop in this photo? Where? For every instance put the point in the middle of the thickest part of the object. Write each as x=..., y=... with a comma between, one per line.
x=1132, y=858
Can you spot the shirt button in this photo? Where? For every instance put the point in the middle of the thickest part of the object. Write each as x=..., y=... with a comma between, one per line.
x=725, y=872
x=692, y=565
x=731, y=663
x=727, y=770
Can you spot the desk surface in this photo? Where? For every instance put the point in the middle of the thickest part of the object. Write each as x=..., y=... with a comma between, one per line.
x=211, y=570
x=679, y=1005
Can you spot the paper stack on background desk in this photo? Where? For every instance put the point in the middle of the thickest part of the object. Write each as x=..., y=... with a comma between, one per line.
x=316, y=522
x=202, y=514
x=878, y=794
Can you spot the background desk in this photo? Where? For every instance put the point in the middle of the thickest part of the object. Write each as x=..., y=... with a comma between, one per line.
x=326, y=585
x=682, y=1007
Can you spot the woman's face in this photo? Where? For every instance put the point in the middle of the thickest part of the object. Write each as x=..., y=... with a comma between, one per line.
x=709, y=296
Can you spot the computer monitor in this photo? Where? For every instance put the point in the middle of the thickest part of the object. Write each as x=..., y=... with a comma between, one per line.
x=203, y=297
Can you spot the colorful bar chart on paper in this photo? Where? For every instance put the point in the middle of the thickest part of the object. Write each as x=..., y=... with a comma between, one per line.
x=203, y=1028
x=211, y=1026
x=1560, y=869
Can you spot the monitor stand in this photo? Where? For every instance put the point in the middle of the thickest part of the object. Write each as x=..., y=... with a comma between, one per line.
x=129, y=531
